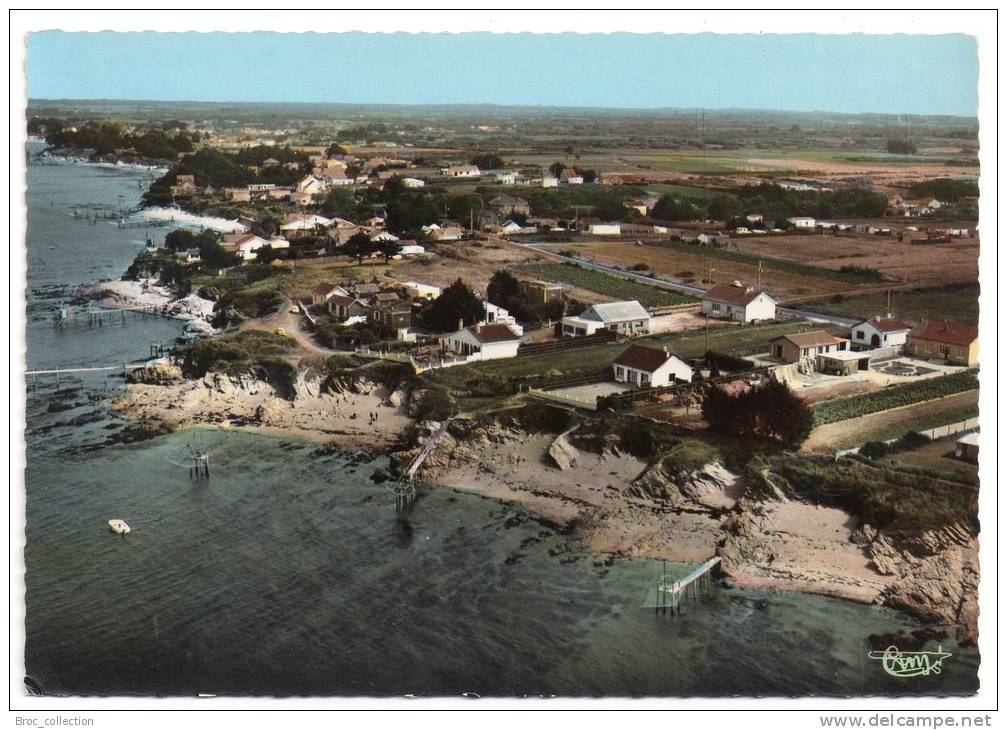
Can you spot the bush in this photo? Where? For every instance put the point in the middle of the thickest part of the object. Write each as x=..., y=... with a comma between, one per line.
x=874, y=449
x=389, y=373
x=436, y=404
x=894, y=396
x=769, y=409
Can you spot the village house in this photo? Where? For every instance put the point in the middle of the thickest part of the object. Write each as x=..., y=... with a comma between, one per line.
x=738, y=302
x=416, y=290
x=605, y=229
x=512, y=228
x=304, y=223
x=461, y=171
x=393, y=315
x=505, y=178
x=541, y=292
x=238, y=195
x=247, y=246
x=342, y=306
x=642, y=205
x=189, y=256
x=185, y=185
x=483, y=341
x=506, y=205
x=445, y=234
x=625, y=318
x=650, y=367
x=879, y=332
x=550, y=182
x=953, y=342
x=570, y=177
x=494, y=314
x=802, y=222
x=323, y=292
x=805, y=346
x=412, y=182
x=311, y=185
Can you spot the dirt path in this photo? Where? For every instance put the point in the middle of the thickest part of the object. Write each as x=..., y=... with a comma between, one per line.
x=291, y=324
x=824, y=438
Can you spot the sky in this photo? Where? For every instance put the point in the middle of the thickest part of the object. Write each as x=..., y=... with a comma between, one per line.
x=898, y=74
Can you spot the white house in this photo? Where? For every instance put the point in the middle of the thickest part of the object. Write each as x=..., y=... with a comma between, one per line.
x=419, y=291
x=627, y=318
x=494, y=314
x=246, y=246
x=801, y=222
x=483, y=341
x=461, y=171
x=605, y=229
x=311, y=185
x=412, y=249
x=738, y=302
x=445, y=234
x=301, y=222
x=550, y=182
x=650, y=367
x=878, y=332
x=412, y=182
x=506, y=178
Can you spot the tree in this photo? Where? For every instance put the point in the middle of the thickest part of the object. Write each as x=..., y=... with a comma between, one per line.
x=359, y=245
x=669, y=208
x=503, y=289
x=488, y=161
x=556, y=168
x=266, y=254
x=457, y=303
x=388, y=249
x=769, y=409
x=339, y=203
x=335, y=149
x=901, y=147
x=723, y=207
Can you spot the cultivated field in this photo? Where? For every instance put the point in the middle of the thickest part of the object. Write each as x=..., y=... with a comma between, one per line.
x=960, y=303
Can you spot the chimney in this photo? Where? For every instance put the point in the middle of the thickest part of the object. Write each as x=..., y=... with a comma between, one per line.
x=461, y=323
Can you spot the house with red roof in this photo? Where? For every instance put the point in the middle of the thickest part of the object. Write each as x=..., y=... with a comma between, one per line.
x=650, y=367
x=953, y=342
x=738, y=302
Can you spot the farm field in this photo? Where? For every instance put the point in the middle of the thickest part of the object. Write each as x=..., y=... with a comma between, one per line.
x=916, y=264
x=960, y=303
x=691, y=264
x=607, y=285
x=885, y=425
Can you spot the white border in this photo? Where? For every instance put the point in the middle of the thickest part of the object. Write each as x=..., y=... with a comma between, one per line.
x=981, y=24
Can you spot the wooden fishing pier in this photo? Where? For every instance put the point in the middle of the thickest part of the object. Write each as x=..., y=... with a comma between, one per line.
x=67, y=318
x=670, y=591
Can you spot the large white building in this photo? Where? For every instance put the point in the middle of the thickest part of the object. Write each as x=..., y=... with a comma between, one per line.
x=625, y=318
x=738, y=302
x=483, y=341
x=801, y=222
x=650, y=367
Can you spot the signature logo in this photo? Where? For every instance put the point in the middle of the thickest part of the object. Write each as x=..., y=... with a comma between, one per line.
x=910, y=663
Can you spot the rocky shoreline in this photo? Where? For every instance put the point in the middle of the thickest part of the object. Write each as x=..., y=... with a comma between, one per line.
x=614, y=504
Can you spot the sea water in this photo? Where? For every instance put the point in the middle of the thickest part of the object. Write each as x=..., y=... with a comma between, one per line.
x=289, y=571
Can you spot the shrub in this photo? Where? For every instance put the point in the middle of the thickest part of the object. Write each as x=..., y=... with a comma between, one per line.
x=436, y=404
x=894, y=396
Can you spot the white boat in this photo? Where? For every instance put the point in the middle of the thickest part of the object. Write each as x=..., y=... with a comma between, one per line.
x=119, y=527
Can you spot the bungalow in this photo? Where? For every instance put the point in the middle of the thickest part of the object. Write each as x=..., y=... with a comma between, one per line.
x=738, y=302
x=300, y=198
x=461, y=171
x=550, y=182
x=506, y=178
x=805, y=345
x=382, y=236
x=650, y=367
x=417, y=290
x=483, y=341
x=954, y=342
x=605, y=229
x=394, y=315
x=412, y=182
x=626, y=318
x=411, y=248
x=238, y=195
x=879, y=332
x=189, y=256
x=494, y=314
x=298, y=223
x=571, y=178
x=511, y=228
x=643, y=205
x=445, y=234
x=802, y=222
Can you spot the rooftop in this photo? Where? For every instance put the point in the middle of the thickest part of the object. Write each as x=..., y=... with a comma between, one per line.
x=732, y=293
x=951, y=333
x=643, y=358
x=816, y=338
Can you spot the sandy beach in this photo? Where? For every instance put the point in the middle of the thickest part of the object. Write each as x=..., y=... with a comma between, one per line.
x=125, y=294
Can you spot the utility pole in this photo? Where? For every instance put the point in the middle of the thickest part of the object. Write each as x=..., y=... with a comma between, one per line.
x=759, y=287
x=709, y=278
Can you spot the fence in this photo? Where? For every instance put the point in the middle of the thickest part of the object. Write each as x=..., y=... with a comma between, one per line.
x=652, y=393
x=567, y=343
x=940, y=432
x=591, y=405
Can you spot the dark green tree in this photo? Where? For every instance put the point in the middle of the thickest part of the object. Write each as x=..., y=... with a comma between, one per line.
x=457, y=303
x=359, y=246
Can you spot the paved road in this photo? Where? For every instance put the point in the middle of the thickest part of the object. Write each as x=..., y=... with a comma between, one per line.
x=673, y=285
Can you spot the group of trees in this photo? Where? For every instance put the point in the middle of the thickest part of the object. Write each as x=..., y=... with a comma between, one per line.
x=946, y=189
x=770, y=410
x=504, y=290
x=208, y=243
x=360, y=246
x=106, y=138
x=901, y=146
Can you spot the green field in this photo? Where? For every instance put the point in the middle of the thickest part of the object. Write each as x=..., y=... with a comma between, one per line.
x=960, y=303
x=533, y=370
x=611, y=286
x=922, y=423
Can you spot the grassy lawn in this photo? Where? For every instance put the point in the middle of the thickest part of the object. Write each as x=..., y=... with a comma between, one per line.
x=960, y=303
x=613, y=286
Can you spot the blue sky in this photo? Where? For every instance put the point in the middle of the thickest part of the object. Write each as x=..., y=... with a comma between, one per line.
x=843, y=73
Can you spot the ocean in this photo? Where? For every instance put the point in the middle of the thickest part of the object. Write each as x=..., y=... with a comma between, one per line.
x=289, y=571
